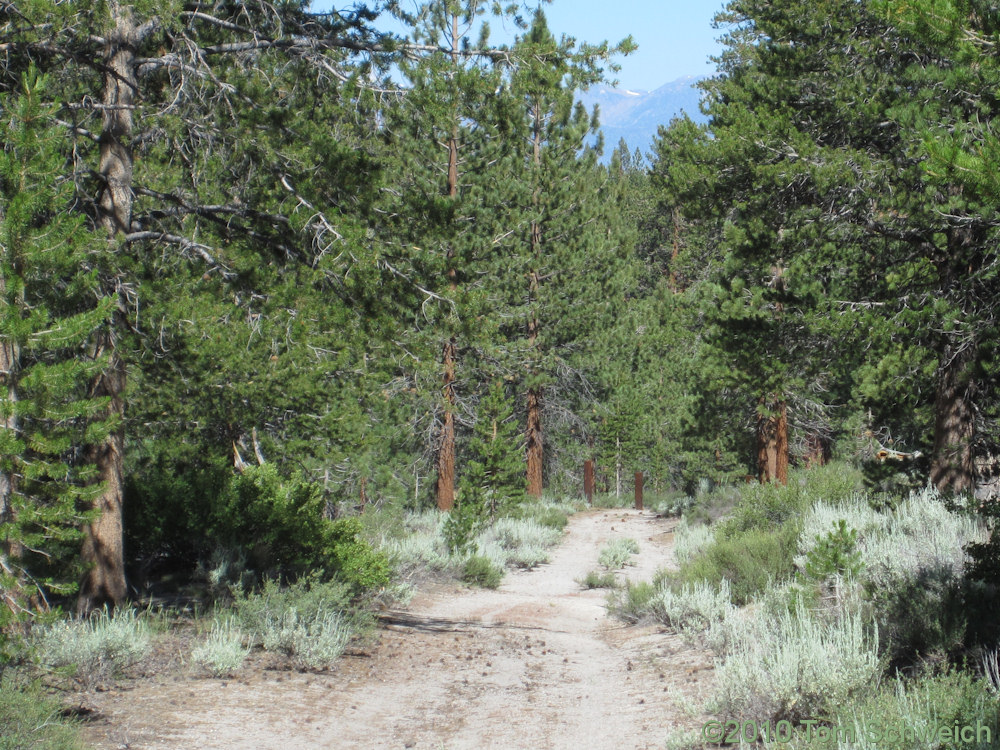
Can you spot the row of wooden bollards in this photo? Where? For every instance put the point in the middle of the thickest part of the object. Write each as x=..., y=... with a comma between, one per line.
x=588, y=484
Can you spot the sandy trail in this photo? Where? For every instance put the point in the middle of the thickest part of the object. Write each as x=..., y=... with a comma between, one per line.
x=534, y=664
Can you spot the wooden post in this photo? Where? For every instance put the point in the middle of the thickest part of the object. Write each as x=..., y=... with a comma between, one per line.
x=638, y=490
x=588, y=481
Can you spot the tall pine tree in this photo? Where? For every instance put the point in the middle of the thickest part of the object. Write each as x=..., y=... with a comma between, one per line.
x=51, y=310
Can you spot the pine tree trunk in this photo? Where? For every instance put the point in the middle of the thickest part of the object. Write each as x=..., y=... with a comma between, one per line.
x=446, y=450
x=618, y=466
x=446, y=445
x=10, y=549
x=535, y=452
x=9, y=357
x=533, y=428
x=103, y=552
x=952, y=465
x=817, y=451
x=772, y=443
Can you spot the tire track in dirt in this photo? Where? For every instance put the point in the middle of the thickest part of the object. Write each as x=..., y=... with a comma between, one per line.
x=533, y=664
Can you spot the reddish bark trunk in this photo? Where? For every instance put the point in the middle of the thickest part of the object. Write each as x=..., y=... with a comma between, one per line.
x=446, y=445
x=446, y=450
x=103, y=583
x=535, y=451
x=952, y=464
x=103, y=549
x=817, y=451
x=772, y=443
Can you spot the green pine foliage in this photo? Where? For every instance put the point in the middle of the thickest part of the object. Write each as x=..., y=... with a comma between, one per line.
x=493, y=471
x=50, y=307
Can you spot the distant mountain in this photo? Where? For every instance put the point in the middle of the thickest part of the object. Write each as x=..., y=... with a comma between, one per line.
x=636, y=115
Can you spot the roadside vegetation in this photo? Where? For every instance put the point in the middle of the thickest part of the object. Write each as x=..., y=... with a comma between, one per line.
x=285, y=588
x=823, y=602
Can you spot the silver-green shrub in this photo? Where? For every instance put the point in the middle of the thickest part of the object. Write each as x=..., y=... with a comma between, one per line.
x=689, y=540
x=521, y=542
x=693, y=610
x=617, y=553
x=225, y=649
x=314, y=640
x=309, y=621
x=97, y=647
x=420, y=550
x=508, y=542
x=794, y=665
x=911, y=565
x=920, y=535
x=513, y=533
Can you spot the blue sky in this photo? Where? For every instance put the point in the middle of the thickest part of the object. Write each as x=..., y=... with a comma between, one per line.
x=675, y=37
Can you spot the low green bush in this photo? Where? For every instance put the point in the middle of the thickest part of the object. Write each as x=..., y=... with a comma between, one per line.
x=749, y=560
x=31, y=719
x=597, y=579
x=481, y=571
x=921, y=616
x=908, y=714
x=835, y=554
x=281, y=524
x=631, y=603
x=461, y=526
x=765, y=506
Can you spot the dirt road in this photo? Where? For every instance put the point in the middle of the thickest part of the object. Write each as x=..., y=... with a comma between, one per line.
x=535, y=664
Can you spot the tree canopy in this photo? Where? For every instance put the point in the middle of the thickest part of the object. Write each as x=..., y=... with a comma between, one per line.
x=248, y=243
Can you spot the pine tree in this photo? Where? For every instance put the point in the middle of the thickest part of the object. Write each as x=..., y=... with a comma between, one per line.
x=51, y=309
x=565, y=251
x=817, y=178
x=493, y=476
x=114, y=59
x=448, y=134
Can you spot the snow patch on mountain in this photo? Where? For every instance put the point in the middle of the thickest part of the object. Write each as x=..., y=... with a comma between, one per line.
x=636, y=115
